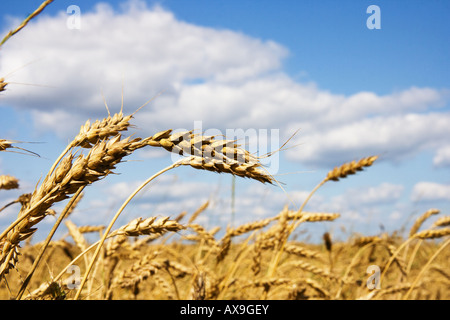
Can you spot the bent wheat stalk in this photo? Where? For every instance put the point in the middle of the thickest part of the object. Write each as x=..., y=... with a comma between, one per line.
x=108, y=229
x=65, y=180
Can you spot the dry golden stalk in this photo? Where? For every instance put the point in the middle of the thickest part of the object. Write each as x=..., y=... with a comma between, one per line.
x=74, y=205
x=206, y=153
x=25, y=22
x=90, y=134
x=313, y=284
x=315, y=270
x=431, y=234
x=442, y=222
x=198, y=211
x=362, y=241
x=205, y=235
x=8, y=182
x=420, y=220
x=138, y=272
x=48, y=291
x=300, y=251
x=350, y=168
x=181, y=270
x=251, y=226
x=309, y=216
x=267, y=283
x=3, y=85
x=280, y=231
x=139, y=227
x=214, y=230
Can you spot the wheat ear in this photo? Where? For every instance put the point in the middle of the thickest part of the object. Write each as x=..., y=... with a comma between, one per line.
x=8, y=182
x=420, y=220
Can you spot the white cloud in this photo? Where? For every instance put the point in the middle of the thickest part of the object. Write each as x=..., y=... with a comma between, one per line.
x=224, y=78
x=391, y=137
x=430, y=191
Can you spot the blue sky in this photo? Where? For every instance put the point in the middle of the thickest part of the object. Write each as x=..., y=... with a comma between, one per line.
x=308, y=65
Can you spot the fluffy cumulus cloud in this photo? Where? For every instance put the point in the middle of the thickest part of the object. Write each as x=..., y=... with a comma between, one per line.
x=364, y=198
x=224, y=78
x=430, y=191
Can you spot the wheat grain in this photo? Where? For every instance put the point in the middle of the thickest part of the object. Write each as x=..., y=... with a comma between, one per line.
x=350, y=168
x=362, y=241
x=432, y=234
x=206, y=153
x=3, y=85
x=420, y=220
x=88, y=229
x=148, y=226
x=8, y=182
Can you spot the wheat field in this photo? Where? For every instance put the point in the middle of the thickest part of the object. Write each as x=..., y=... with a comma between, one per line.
x=175, y=258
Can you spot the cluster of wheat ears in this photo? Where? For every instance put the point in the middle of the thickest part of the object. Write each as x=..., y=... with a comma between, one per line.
x=257, y=260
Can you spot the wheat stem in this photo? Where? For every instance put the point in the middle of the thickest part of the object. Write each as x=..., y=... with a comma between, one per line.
x=108, y=229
